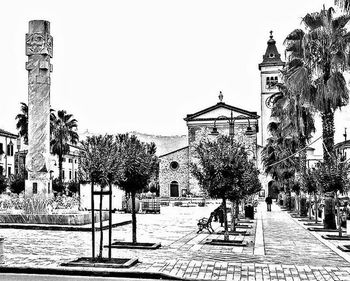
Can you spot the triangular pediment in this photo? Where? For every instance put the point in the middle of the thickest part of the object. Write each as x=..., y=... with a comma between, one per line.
x=221, y=109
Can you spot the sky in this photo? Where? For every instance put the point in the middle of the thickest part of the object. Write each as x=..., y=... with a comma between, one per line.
x=143, y=65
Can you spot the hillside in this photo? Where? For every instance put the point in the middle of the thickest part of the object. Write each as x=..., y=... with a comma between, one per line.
x=164, y=144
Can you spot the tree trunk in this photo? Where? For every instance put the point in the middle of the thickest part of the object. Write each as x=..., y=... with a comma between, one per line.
x=232, y=217
x=328, y=135
x=226, y=237
x=60, y=161
x=338, y=213
x=310, y=207
x=133, y=217
x=101, y=228
x=93, y=220
x=316, y=207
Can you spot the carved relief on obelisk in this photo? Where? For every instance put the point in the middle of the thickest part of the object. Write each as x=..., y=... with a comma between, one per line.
x=39, y=52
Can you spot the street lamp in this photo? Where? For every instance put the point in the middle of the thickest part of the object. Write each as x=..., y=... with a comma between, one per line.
x=231, y=121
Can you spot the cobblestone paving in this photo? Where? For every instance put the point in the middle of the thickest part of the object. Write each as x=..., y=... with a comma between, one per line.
x=291, y=252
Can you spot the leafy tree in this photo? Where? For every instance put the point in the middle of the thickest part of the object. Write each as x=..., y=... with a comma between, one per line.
x=57, y=186
x=17, y=183
x=3, y=183
x=249, y=185
x=22, y=122
x=333, y=178
x=223, y=170
x=311, y=184
x=101, y=163
x=139, y=166
x=73, y=187
x=63, y=132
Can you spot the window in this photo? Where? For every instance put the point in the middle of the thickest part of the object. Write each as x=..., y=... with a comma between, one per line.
x=70, y=160
x=75, y=175
x=63, y=174
x=8, y=171
x=271, y=81
x=10, y=149
x=174, y=165
x=75, y=161
x=48, y=188
x=70, y=175
x=35, y=188
x=1, y=148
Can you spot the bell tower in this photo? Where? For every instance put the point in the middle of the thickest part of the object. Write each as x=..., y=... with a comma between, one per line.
x=269, y=75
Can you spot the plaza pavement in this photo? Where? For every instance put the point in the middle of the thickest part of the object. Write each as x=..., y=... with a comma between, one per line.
x=280, y=248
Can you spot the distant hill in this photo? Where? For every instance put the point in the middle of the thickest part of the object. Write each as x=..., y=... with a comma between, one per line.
x=164, y=144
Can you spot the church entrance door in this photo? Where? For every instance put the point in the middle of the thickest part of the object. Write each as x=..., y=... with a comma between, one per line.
x=174, y=189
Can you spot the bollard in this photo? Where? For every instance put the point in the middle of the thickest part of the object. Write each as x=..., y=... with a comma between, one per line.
x=2, y=260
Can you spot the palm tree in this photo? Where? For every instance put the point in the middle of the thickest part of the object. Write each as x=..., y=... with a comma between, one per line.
x=22, y=122
x=318, y=59
x=63, y=134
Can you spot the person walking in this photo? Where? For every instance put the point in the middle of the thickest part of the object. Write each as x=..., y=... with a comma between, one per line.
x=268, y=201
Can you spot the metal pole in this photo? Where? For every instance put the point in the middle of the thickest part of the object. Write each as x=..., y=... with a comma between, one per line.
x=93, y=220
x=110, y=223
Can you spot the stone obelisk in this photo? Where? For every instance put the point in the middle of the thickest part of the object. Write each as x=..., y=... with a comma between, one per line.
x=39, y=52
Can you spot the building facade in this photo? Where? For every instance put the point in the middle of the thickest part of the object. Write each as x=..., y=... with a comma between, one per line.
x=8, y=142
x=70, y=164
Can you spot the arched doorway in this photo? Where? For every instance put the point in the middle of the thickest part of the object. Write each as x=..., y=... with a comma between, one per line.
x=174, y=189
x=273, y=189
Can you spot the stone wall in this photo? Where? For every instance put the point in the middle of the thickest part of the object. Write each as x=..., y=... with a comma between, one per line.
x=168, y=174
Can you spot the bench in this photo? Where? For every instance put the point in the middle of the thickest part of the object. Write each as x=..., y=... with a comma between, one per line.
x=205, y=223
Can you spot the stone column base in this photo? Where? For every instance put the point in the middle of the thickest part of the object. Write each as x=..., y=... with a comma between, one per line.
x=38, y=188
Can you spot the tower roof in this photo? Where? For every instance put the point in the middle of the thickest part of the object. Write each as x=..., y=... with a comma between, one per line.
x=272, y=57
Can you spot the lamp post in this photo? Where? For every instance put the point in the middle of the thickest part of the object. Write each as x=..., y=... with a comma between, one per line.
x=231, y=122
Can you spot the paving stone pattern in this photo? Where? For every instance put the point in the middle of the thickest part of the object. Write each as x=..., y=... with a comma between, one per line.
x=291, y=252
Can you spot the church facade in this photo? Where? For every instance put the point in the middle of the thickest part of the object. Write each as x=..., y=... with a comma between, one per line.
x=175, y=178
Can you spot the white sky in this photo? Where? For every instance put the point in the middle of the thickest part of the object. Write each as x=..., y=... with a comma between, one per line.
x=143, y=65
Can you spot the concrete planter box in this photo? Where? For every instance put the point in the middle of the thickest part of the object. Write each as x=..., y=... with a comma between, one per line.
x=60, y=219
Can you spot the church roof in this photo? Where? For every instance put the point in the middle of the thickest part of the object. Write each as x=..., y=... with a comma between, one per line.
x=174, y=151
x=250, y=114
x=272, y=57
x=7, y=134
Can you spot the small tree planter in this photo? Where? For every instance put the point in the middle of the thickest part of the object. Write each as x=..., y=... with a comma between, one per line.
x=244, y=221
x=336, y=237
x=306, y=219
x=344, y=248
x=243, y=226
x=313, y=224
x=138, y=245
x=321, y=229
x=104, y=262
x=237, y=232
x=221, y=242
